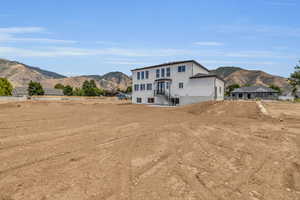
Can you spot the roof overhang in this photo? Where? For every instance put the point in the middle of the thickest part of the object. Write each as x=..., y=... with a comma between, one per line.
x=172, y=63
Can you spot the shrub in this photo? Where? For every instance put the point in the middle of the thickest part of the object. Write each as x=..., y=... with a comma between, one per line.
x=5, y=87
x=68, y=90
x=35, y=88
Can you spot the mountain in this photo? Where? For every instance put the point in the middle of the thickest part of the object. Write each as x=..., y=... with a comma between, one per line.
x=236, y=75
x=20, y=75
x=109, y=81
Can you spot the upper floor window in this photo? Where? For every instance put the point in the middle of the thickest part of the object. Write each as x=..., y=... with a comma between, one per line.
x=142, y=86
x=157, y=73
x=149, y=86
x=163, y=72
x=147, y=74
x=181, y=68
x=180, y=85
x=143, y=74
x=139, y=75
x=136, y=87
x=168, y=72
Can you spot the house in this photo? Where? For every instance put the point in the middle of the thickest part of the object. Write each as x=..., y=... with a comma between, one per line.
x=23, y=91
x=286, y=96
x=175, y=83
x=255, y=92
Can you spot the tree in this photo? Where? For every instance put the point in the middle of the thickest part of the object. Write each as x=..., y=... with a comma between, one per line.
x=59, y=86
x=294, y=80
x=90, y=89
x=78, y=92
x=68, y=90
x=275, y=87
x=5, y=87
x=230, y=88
x=35, y=88
x=129, y=89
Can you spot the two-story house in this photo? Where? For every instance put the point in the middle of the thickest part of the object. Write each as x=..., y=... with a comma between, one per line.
x=175, y=83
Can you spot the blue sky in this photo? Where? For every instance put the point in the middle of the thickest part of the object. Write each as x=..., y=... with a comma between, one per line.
x=97, y=36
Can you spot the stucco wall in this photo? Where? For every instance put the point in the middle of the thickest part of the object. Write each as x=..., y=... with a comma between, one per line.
x=203, y=88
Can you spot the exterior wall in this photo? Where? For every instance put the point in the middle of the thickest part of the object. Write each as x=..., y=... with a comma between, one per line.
x=261, y=95
x=194, y=90
x=220, y=89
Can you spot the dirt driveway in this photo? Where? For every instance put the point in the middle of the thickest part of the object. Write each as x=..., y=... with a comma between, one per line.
x=92, y=151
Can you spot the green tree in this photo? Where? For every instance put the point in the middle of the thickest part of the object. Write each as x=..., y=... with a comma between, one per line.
x=5, y=87
x=68, y=90
x=90, y=89
x=230, y=88
x=35, y=88
x=59, y=86
x=129, y=89
x=275, y=87
x=78, y=92
x=294, y=80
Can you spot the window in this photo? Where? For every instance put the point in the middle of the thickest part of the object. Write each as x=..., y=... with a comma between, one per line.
x=163, y=72
x=167, y=85
x=139, y=75
x=136, y=87
x=150, y=100
x=157, y=73
x=143, y=74
x=180, y=85
x=142, y=86
x=149, y=86
x=168, y=72
x=181, y=68
x=139, y=100
x=147, y=74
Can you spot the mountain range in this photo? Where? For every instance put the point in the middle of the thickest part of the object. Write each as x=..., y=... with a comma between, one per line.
x=20, y=74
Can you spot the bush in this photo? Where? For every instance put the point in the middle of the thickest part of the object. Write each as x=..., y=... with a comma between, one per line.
x=35, y=88
x=68, y=90
x=5, y=87
x=59, y=86
x=90, y=89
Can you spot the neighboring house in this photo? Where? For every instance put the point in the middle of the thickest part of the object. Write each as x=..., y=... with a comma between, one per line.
x=286, y=96
x=254, y=92
x=175, y=83
x=23, y=91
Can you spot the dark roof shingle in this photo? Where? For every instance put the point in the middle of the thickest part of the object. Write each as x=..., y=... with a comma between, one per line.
x=253, y=89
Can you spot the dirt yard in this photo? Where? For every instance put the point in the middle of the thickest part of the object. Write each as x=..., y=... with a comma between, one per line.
x=98, y=150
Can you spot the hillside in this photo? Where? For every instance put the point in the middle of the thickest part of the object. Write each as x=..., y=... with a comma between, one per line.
x=109, y=81
x=20, y=75
x=236, y=75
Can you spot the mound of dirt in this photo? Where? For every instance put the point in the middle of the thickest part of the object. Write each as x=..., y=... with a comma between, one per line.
x=225, y=109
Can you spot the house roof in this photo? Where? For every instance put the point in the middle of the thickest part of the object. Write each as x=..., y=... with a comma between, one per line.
x=23, y=91
x=201, y=75
x=254, y=89
x=173, y=63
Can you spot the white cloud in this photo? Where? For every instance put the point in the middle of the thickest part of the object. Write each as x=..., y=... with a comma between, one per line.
x=209, y=43
x=22, y=30
x=136, y=53
x=9, y=35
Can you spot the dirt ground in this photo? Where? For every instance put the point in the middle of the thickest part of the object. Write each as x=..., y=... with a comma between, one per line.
x=90, y=150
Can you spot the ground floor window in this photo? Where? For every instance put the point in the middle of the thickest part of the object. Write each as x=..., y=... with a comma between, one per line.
x=240, y=95
x=139, y=100
x=175, y=101
x=150, y=100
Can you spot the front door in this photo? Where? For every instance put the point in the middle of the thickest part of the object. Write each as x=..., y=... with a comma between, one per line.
x=161, y=87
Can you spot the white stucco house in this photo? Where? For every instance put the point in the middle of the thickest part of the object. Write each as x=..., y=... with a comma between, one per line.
x=175, y=83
